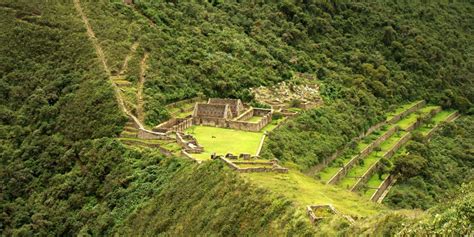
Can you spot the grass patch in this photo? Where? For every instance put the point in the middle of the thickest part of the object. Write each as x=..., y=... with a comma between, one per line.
x=223, y=140
x=359, y=170
x=305, y=191
x=400, y=110
x=255, y=119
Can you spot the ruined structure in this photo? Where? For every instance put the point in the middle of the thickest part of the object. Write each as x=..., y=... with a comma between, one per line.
x=229, y=113
x=217, y=112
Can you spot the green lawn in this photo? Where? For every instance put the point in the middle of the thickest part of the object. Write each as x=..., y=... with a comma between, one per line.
x=223, y=140
x=305, y=191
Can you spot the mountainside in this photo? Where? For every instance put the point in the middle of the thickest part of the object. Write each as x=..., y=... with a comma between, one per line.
x=75, y=75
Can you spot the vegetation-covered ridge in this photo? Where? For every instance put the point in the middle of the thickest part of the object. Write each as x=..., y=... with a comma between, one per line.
x=64, y=173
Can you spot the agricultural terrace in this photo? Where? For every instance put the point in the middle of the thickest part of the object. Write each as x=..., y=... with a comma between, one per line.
x=305, y=191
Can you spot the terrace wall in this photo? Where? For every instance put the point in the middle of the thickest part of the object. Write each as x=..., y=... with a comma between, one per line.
x=362, y=154
x=418, y=122
x=403, y=114
x=382, y=187
x=375, y=167
x=275, y=167
x=450, y=118
x=146, y=134
x=335, y=155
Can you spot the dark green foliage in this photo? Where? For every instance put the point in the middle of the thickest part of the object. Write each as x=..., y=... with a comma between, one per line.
x=408, y=166
x=433, y=170
x=209, y=200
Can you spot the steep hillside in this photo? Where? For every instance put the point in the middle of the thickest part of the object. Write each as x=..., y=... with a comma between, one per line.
x=71, y=72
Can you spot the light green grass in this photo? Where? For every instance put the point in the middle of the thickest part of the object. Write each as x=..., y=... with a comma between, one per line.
x=373, y=183
x=305, y=191
x=436, y=120
x=407, y=121
x=372, y=158
x=401, y=109
x=255, y=119
x=223, y=140
x=442, y=116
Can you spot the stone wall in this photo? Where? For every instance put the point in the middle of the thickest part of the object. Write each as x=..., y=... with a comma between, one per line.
x=403, y=114
x=174, y=125
x=450, y=118
x=187, y=155
x=362, y=154
x=340, y=151
x=250, y=126
x=418, y=122
x=188, y=143
x=382, y=187
x=147, y=134
x=375, y=167
x=246, y=115
x=275, y=167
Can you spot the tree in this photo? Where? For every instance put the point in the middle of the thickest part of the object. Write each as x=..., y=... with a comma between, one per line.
x=409, y=165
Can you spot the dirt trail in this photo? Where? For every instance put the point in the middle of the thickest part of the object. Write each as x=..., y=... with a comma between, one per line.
x=133, y=49
x=90, y=32
x=101, y=56
x=143, y=67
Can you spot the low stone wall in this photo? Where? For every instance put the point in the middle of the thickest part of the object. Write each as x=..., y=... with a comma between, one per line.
x=315, y=219
x=275, y=167
x=187, y=155
x=147, y=134
x=182, y=102
x=419, y=122
x=382, y=187
x=175, y=125
x=261, y=144
x=375, y=167
x=403, y=114
x=249, y=126
x=188, y=143
x=450, y=118
x=246, y=115
x=362, y=154
x=340, y=151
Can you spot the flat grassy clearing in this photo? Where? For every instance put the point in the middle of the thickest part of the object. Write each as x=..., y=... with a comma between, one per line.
x=328, y=172
x=305, y=191
x=223, y=140
x=255, y=119
x=401, y=109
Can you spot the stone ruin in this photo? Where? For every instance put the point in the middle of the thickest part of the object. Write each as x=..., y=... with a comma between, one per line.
x=189, y=143
x=282, y=95
x=318, y=213
x=230, y=113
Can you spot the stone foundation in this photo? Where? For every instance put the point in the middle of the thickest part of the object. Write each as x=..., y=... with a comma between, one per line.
x=234, y=165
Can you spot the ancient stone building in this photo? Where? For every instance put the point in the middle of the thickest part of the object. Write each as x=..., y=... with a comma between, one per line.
x=235, y=105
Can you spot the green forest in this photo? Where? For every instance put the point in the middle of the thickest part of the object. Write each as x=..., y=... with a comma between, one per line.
x=63, y=172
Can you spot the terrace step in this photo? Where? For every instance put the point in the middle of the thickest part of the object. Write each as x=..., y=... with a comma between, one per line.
x=128, y=134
